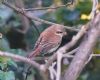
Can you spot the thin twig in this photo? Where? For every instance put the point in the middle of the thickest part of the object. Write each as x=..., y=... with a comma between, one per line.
x=34, y=17
x=95, y=55
x=69, y=54
x=44, y=8
x=89, y=59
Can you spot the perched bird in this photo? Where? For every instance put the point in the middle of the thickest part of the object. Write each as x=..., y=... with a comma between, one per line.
x=49, y=40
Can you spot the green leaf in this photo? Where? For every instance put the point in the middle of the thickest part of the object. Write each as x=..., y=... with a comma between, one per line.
x=2, y=66
x=3, y=62
x=11, y=62
x=4, y=45
x=1, y=75
x=7, y=75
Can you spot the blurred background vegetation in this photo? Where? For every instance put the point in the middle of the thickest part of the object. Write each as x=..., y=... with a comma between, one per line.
x=19, y=34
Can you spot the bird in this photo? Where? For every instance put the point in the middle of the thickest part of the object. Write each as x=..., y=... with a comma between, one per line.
x=49, y=40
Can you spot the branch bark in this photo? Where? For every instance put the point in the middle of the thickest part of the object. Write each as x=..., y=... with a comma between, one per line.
x=20, y=58
x=84, y=50
x=31, y=17
x=24, y=20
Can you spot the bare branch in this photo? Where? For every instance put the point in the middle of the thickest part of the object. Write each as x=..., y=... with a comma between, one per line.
x=94, y=8
x=84, y=50
x=20, y=58
x=44, y=8
x=69, y=54
x=95, y=55
x=34, y=17
x=24, y=20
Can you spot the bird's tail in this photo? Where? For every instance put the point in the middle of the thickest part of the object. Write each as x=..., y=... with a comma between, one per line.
x=34, y=53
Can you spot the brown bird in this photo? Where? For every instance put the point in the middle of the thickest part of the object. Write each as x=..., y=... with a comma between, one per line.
x=49, y=40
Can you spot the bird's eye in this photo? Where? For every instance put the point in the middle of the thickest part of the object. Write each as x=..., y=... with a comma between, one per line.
x=59, y=32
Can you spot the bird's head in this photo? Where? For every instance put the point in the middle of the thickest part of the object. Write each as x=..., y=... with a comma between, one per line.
x=60, y=30
x=55, y=29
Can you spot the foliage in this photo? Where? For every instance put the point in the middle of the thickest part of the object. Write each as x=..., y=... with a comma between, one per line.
x=9, y=75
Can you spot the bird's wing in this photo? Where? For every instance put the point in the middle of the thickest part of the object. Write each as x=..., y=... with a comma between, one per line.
x=38, y=42
x=49, y=47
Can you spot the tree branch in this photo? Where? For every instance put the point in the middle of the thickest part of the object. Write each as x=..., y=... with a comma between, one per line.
x=24, y=20
x=31, y=17
x=44, y=8
x=84, y=50
x=94, y=8
x=20, y=58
